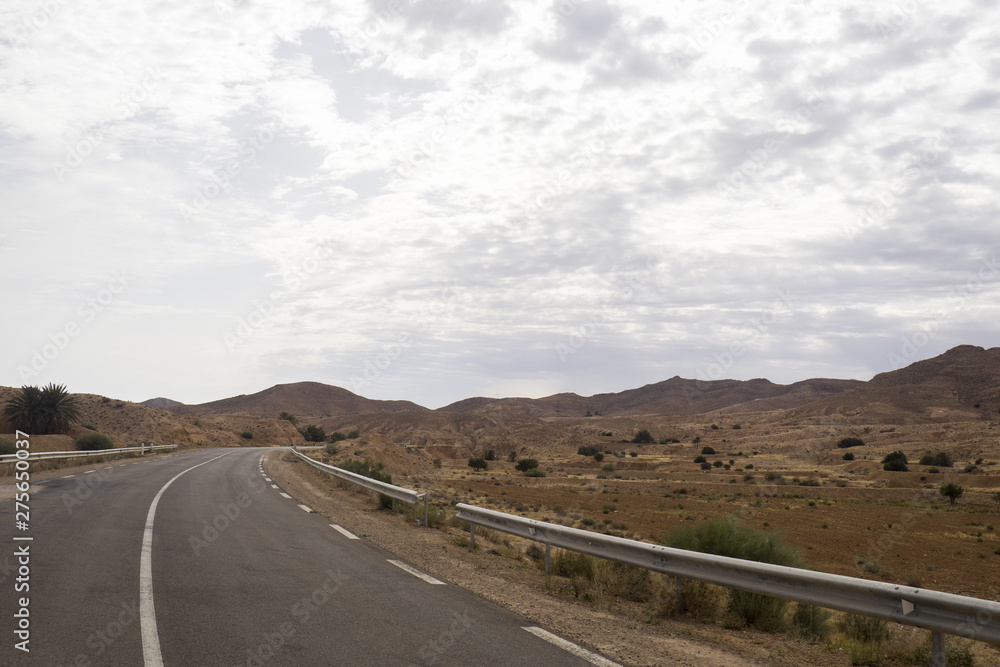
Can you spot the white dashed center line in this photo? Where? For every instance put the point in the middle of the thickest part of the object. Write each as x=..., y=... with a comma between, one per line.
x=417, y=573
x=343, y=531
x=570, y=647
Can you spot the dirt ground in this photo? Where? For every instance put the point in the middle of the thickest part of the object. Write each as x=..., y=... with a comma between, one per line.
x=631, y=633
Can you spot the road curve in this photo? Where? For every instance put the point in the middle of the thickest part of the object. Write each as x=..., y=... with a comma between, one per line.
x=238, y=575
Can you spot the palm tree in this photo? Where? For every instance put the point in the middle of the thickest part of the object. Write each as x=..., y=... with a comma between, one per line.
x=50, y=409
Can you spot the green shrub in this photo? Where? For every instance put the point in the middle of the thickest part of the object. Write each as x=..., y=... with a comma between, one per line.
x=933, y=470
x=715, y=427
x=331, y=449
x=478, y=463
x=354, y=435
x=524, y=465
x=367, y=468
x=736, y=427
x=371, y=470
x=895, y=461
x=728, y=537
x=706, y=466
x=435, y=517
x=599, y=456
x=708, y=451
x=850, y=442
x=534, y=472
x=811, y=621
x=247, y=435
x=7, y=446
x=864, y=628
x=92, y=442
x=717, y=464
x=491, y=455
x=699, y=459
x=89, y=427
x=848, y=456
x=643, y=437
x=313, y=433
x=288, y=416
x=587, y=450
x=436, y=463
x=573, y=565
x=942, y=460
x=957, y=653
x=337, y=436
x=625, y=581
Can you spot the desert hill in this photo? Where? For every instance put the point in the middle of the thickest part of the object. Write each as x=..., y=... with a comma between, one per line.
x=129, y=424
x=164, y=404
x=313, y=399
x=961, y=384
x=676, y=396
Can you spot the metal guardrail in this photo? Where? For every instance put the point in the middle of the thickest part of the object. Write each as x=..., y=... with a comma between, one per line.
x=391, y=490
x=941, y=613
x=46, y=456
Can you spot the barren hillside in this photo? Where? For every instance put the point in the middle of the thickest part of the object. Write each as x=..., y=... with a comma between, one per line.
x=313, y=399
x=674, y=396
x=961, y=384
x=129, y=424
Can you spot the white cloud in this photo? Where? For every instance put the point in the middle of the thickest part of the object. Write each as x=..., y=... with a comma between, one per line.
x=527, y=154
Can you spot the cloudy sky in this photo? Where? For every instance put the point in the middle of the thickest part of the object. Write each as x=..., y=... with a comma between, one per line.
x=436, y=199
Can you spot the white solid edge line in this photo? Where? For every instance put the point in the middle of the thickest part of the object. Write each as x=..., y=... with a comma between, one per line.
x=343, y=531
x=286, y=495
x=151, y=656
x=417, y=573
x=570, y=647
x=306, y=508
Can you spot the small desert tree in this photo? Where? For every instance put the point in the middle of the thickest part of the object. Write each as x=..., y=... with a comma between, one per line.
x=478, y=464
x=895, y=461
x=313, y=433
x=951, y=491
x=643, y=437
x=524, y=465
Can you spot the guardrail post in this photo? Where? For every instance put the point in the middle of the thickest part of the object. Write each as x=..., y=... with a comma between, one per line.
x=679, y=587
x=425, y=510
x=472, y=536
x=548, y=558
x=939, y=658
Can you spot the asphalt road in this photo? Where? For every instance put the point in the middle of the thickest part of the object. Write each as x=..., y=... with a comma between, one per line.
x=236, y=575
